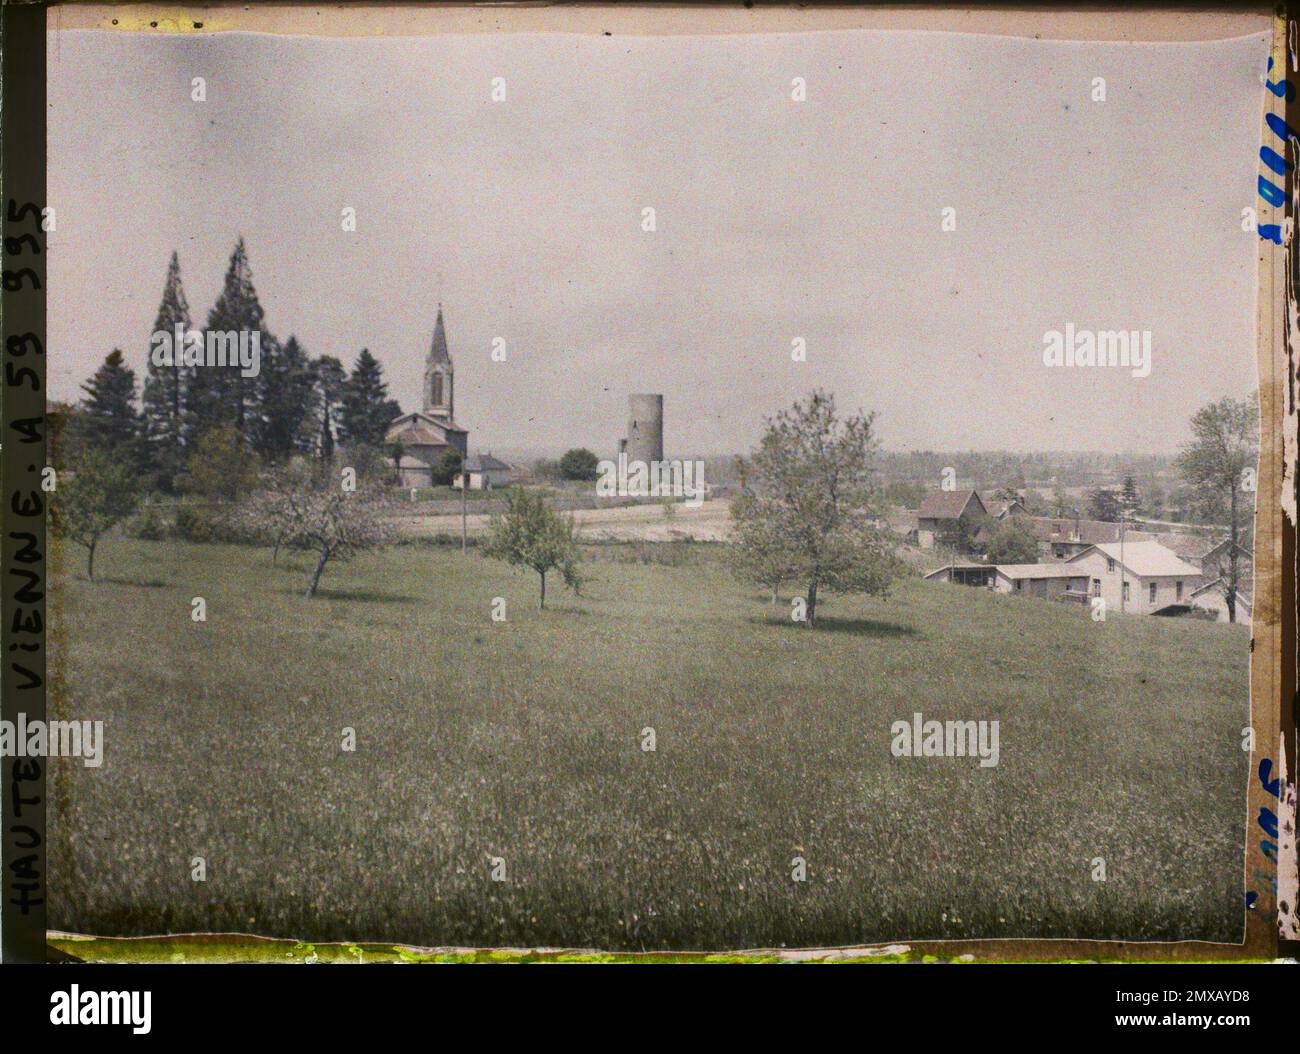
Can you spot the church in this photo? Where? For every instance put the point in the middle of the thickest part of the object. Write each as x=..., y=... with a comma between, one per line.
x=426, y=435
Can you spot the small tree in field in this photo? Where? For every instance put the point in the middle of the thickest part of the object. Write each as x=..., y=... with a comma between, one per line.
x=304, y=510
x=579, y=463
x=529, y=534
x=807, y=506
x=103, y=491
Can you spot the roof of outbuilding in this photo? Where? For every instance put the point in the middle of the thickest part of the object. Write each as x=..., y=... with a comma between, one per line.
x=1039, y=571
x=484, y=463
x=946, y=504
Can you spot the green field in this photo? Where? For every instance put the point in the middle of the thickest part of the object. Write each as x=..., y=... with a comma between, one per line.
x=520, y=741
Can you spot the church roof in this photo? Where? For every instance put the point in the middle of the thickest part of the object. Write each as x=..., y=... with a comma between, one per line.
x=438, y=349
x=419, y=417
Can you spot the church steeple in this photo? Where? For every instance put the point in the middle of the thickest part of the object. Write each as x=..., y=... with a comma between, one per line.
x=438, y=374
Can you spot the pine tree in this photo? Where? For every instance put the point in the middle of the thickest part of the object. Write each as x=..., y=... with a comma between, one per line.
x=164, y=387
x=285, y=394
x=107, y=418
x=222, y=395
x=331, y=381
x=366, y=411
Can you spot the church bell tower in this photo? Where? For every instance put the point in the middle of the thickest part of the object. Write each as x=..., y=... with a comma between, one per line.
x=438, y=375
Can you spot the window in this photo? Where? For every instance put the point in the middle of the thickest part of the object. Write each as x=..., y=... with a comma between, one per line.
x=437, y=389
x=1178, y=591
x=1153, y=592
x=1096, y=587
x=1126, y=596
x=1019, y=583
x=1110, y=565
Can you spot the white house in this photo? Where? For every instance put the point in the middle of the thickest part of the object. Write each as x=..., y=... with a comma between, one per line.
x=485, y=472
x=1147, y=577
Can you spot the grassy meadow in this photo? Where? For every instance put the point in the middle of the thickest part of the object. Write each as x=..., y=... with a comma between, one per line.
x=521, y=741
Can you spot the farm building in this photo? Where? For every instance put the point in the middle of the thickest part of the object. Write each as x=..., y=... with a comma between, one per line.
x=939, y=515
x=485, y=472
x=1213, y=597
x=1139, y=576
x=1052, y=581
x=964, y=574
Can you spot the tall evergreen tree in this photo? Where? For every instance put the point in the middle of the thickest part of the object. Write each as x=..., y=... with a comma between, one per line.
x=285, y=393
x=222, y=395
x=331, y=382
x=164, y=387
x=107, y=418
x=366, y=409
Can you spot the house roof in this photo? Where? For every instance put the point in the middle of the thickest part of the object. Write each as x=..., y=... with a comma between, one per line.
x=1080, y=532
x=947, y=504
x=959, y=567
x=408, y=462
x=418, y=437
x=1145, y=559
x=1039, y=571
x=484, y=463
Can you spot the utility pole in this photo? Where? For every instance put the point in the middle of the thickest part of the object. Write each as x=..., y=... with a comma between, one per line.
x=463, y=481
x=1123, y=571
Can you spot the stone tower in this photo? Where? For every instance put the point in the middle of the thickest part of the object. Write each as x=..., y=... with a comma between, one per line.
x=439, y=380
x=645, y=428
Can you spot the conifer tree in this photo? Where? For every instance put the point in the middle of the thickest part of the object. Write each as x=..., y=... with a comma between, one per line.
x=285, y=394
x=107, y=418
x=331, y=381
x=164, y=387
x=366, y=410
x=222, y=395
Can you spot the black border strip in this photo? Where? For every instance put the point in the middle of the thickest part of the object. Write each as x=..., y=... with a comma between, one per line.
x=22, y=462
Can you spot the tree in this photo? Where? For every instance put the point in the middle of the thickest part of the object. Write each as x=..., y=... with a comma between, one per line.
x=100, y=492
x=107, y=418
x=579, y=463
x=331, y=380
x=285, y=386
x=447, y=468
x=366, y=411
x=223, y=395
x=165, y=385
x=305, y=510
x=1219, y=464
x=221, y=467
x=1010, y=543
x=1129, y=498
x=758, y=554
x=529, y=534
x=1104, y=504
x=809, y=491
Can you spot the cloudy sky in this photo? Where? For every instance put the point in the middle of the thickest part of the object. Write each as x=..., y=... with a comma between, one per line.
x=776, y=219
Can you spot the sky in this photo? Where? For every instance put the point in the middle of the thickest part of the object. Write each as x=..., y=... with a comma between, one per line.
x=775, y=220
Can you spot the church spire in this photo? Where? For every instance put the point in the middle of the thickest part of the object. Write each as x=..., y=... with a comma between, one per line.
x=438, y=350
x=438, y=380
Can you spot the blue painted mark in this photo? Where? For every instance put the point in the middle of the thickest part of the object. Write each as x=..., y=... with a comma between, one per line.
x=1282, y=89
x=1271, y=232
x=1268, y=821
x=1267, y=878
x=1274, y=160
x=1270, y=850
x=1273, y=786
x=1273, y=195
x=1280, y=128
x=1251, y=897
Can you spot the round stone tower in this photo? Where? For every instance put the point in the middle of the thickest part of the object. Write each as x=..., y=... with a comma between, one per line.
x=645, y=428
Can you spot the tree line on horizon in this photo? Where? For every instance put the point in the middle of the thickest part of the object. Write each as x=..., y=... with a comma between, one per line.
x=297, y=406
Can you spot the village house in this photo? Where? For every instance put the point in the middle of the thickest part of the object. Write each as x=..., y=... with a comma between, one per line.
x=1142, y=577
x=1065, y=538
x=970, y=574
x=484, y=472
x=942, y=513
